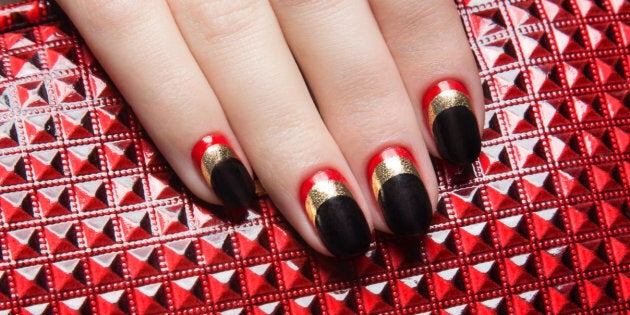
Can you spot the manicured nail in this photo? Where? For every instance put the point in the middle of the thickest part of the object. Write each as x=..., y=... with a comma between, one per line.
x=400, y=192
x=223, y=170
x=449, y=114
x=336, y=215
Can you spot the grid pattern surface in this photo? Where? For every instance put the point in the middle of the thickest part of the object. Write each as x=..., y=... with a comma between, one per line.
x=92, y=219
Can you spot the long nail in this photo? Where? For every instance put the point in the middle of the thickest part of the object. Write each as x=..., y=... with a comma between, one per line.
x=400, y=192
x=223, y=170
x=449, y=116
x=330, y=206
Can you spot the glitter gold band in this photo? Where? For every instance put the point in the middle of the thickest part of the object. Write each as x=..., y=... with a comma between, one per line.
x=389, y=168
x=212, y=156
x=322, y=191
x=445, y=100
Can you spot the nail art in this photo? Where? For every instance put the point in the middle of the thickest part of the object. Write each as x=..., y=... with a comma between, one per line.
x=223, y=170
x=400, y=192
x=449, y=115
x=339, y=221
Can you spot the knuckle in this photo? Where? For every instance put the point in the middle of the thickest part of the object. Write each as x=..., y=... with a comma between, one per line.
x=307, y=3
x=363, y=85
x=364, y=100
x=110, y=13
x=219, y=19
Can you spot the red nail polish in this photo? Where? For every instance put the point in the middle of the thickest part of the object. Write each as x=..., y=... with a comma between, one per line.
x=448, y=113
x=223, y=170
x=442, y=96
x=339, y=221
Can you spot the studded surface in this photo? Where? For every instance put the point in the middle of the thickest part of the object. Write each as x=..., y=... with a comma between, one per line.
x=92, y=220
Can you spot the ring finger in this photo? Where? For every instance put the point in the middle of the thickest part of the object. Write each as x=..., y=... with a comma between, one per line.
x=365, y=106
x=436, y=63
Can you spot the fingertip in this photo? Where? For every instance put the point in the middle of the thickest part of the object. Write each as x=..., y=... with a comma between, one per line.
x=405, y=205
x=340, y=223
x=449, y=114
x=223, y=171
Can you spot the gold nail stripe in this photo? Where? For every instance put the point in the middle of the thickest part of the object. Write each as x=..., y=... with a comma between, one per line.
x=445, y=100
x=389, y=168
x=213, y=155
x=322, y=191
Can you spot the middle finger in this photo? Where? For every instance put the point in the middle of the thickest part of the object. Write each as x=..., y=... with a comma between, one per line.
x=242, y=52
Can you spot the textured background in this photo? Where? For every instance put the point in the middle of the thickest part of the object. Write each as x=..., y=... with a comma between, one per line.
x=92, y=220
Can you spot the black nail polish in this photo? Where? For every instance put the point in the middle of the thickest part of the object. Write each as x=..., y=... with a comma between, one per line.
x=401, y=195
x=449, y=115
x=405, y=205
x=456, y=135
x=232, y=183
x=342, y=227
x=331, y=208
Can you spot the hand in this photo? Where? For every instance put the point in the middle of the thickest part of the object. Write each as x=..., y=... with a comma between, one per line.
x=393, y=82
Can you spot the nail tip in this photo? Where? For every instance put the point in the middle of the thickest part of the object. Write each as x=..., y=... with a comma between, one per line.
x=237, y=203
x=406, y=205
x=461, y=159
x=413, y=229
x=345, y=254
x=342, y=227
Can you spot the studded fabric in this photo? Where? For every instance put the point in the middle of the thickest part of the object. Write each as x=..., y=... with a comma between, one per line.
x=92, y=219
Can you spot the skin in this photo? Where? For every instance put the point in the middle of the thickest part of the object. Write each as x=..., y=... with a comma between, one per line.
x=241, y=67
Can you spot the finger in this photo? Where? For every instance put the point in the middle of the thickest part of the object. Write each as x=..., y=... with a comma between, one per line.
x=242, y=51
x=140, y=47
x=365, y=106
x=435, y=61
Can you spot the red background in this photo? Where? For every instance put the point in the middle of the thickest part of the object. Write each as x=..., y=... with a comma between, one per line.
x=92, y=220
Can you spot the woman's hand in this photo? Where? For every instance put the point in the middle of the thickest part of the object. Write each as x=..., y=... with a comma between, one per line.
x=222, y=87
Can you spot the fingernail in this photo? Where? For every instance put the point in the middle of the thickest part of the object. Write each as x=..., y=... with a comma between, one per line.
x=223, y=170
x=339, y=221
x=449, y=114
x=400, y=192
